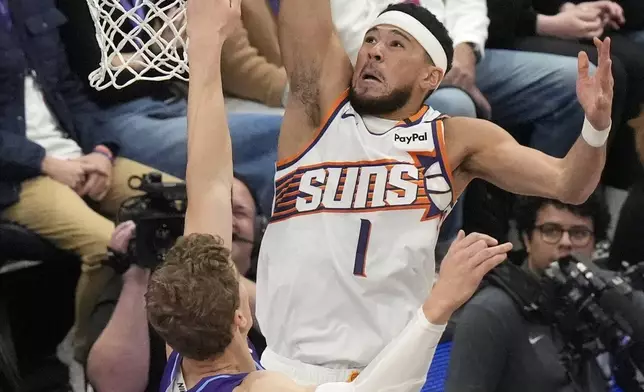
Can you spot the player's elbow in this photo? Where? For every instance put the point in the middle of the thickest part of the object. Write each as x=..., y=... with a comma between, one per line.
x=569, y=194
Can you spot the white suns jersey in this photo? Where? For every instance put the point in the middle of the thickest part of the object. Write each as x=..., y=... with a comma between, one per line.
x=348, y=256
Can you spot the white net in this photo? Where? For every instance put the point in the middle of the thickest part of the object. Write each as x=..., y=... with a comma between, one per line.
x=139, y=40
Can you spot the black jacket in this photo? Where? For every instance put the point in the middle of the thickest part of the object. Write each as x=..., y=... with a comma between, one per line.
x=29, y=40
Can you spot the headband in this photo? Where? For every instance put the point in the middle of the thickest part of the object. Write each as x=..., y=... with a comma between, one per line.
x=413, y=27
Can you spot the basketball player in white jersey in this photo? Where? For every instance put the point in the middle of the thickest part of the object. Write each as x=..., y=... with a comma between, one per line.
x=195, y=299
x=366, y=175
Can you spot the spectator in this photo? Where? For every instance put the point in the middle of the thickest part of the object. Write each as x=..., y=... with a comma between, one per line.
x=518, y=25
x=149, y=118
x=495, y=348
x=627, y=244
x=55, y=161
x=122, y=352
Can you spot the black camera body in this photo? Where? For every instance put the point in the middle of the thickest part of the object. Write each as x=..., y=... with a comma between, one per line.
x=572, y=300
x=159, y=215
x=583, y=306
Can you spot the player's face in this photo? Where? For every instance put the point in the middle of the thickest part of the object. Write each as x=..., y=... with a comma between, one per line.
x=392, y=68
x=243, y=225
x=558, y=233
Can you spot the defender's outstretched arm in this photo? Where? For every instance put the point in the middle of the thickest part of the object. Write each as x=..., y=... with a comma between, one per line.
x=209, y=172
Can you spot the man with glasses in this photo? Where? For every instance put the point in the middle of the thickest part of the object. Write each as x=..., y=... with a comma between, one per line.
x=494, y=347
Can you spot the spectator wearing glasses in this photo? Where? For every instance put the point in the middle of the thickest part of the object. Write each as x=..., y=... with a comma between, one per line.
x=551, y=230
x=495, y=348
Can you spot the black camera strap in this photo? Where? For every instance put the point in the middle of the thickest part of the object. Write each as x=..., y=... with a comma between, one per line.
x=520, y=285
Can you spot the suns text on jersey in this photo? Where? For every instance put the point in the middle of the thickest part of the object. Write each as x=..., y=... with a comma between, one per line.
x=355, y=187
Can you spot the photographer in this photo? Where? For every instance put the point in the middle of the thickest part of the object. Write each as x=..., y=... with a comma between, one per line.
x=495, y=347
x=123, y=353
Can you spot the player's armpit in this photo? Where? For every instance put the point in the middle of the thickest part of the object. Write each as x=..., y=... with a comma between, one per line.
x=318, y=68
x=481, y=149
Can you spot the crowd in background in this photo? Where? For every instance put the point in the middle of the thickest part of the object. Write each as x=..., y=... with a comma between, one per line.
x=67, y=150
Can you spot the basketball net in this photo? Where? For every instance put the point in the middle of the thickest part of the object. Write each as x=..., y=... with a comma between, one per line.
x=139, y=40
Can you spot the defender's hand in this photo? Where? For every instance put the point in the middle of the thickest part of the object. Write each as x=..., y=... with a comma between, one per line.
x=466, y=263
x=595, y=93
x=122, y=236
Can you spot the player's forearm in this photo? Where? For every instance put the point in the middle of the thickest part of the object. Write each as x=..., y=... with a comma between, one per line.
x=305, y=31
x=582, y=167
x=402, y=365
x=209, y=146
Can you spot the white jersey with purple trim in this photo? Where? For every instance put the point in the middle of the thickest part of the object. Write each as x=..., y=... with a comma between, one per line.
x=348, y=256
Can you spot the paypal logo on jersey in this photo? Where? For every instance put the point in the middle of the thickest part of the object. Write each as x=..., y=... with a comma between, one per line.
x=412, y=140
x=421, y=137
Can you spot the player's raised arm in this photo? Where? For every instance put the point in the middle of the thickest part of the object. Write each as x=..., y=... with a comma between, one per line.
x=209, y=172
x=492, y=154
x=317, y=65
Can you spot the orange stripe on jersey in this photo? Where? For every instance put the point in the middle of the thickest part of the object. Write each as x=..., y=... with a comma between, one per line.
x=440, y=133
x=339, y=102
x=419, y=114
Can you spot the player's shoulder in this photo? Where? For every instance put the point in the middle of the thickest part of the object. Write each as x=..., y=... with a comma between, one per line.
x=268, y=381
x=468, y=131
x=459, y=122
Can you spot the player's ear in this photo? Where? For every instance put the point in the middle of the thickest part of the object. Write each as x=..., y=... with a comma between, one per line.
x=431, y=77
x=241, y=321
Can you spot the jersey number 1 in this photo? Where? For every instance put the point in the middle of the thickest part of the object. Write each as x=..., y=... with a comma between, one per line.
x=359, y=267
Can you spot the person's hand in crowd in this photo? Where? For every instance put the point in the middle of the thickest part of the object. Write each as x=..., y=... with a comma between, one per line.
x=595, y=93
x=72, y=173
x=463, y=75
x=468, y=260
x=173, y=25
x=121, y=237
x=612, y=13
x=575, y=23
x=97, y=183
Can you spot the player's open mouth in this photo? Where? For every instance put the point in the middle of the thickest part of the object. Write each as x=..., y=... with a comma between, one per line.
x=371, y=77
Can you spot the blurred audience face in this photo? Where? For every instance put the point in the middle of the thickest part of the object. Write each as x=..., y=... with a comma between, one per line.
x=558, y=233
x=392, y=69
x=244, y=212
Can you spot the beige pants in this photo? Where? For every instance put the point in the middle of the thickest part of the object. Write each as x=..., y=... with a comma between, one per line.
x=57, y=213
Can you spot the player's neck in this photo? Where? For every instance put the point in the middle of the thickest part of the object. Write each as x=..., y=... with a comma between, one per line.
x=401, y=114
x=235, y=359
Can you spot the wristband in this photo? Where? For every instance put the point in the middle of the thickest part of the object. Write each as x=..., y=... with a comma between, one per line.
x=101, y=149
x=595, y=138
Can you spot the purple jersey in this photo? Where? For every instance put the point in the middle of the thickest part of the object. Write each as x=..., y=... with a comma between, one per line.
x=172, y=380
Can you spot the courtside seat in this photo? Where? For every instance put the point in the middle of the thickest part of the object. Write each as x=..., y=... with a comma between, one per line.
x=18, y=244
x=19, y=249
